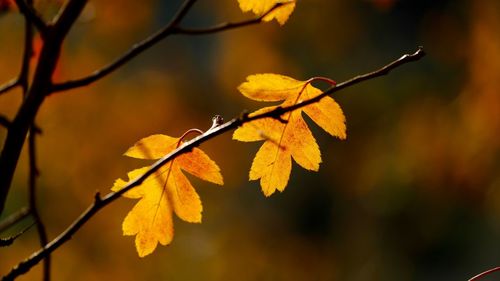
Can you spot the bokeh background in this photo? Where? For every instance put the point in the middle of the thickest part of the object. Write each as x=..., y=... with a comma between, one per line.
x=412, y=194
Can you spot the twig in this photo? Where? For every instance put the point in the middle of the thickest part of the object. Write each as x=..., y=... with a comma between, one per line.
x=33, y=174
x=4, y=122
x=226, y=25
x=28, y=49
x=483, y=274
x=14, y=218
x=100, y=203
x=32, y=15
x=30, y=20
x=169, y=29
x=277, y=112
x=4, y=242
x=130, y=54
x=39, y=89
x=22, y=78
x=9, y=85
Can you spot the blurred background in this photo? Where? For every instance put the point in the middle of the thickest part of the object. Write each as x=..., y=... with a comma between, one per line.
x=412, y=194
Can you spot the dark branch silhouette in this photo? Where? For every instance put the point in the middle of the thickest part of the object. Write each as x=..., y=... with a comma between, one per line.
x=35, y=96
x=33, y=174
x=225, y=25
x=4, y=122
x=9, y=85
x=26, y=8
x=169, y=29
x=99, y=203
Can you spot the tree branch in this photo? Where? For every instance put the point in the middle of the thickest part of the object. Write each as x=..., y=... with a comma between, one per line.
x=22, y=78
x=226, y=25
x=39, y=89
x=33, y=174
x=485, y=273
x=28, y=49
x=4, y=122
x=169, y=29
x=276, y=113
x=100, y=203
x=9, y=85
x=32, y=15
x=130, y=54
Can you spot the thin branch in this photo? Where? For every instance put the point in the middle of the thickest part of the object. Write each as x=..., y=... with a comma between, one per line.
x=14, y=218
x=28, y=50
x=130, y=54
x=226, y=25
x=32, y=15
x=22, y=79
x=4, y=242
x=38, y=91
x=9, y=85
x=483, y=274
x=4, y=122
x=169, y=29
x=276, y=113
x=100, y=203
x=33, y=174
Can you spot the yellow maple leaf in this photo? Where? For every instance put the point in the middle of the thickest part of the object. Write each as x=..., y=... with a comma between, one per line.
x=283, y=141
x=165, y=192
x=260, y=7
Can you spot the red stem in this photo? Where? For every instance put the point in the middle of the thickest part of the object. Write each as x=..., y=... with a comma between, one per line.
x=483, y=274
x=194, y=130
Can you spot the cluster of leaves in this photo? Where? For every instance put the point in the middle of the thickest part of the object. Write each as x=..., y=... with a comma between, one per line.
x=169, y=191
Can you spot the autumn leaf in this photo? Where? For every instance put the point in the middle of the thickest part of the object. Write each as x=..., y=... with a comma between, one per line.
x=286, y=140
x=260, y=7
x=165, y=192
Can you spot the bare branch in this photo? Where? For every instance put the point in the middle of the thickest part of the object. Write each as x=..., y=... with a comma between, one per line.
x=417, y=55
x=100, y=203
x=33, y=174
x=32, y=15
x=4, y=122
x=226, y=25
x=14, y=218
x=130, y=54
x=169, y=29
x=9, y=86
x=28, y=50
x=38, y=90
x=67, y=16
x=22, y=79
x=484, y=274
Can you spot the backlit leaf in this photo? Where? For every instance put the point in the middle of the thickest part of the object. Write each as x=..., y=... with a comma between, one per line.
x=292, y=139
x=260, y=7
x=165, y=192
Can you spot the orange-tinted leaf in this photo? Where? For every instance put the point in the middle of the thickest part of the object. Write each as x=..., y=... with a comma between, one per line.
x=293, y=139
x=165, y=192
x=260, y=7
